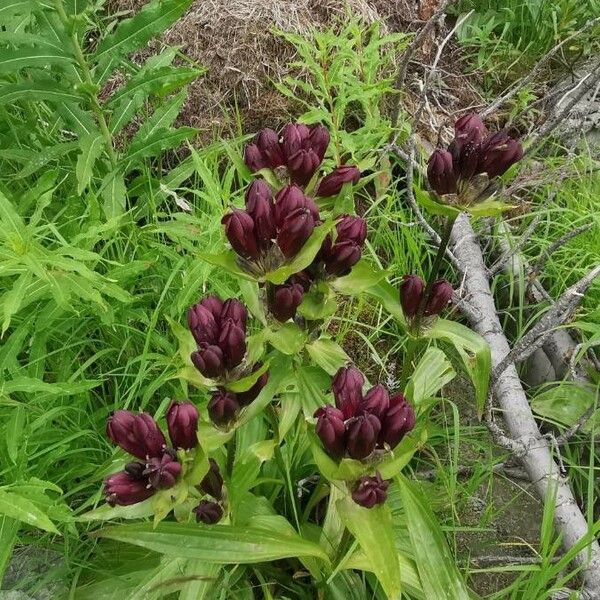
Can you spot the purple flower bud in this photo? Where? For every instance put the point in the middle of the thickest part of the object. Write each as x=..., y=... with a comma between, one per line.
x=209, y=360
x=290, y=198
x=347, y=389
x=259, y=205
x=302, y=166
x=341, y=258
x=351, y=228
x=182, y=422
x=319, y=140
x=162, y=472
x=361, y=435
x=466, y=159
x=247, y=397
x=499, y=152
x=303, y=279
x=469, y=129
x=208, y=512
x=331, y=430
x=223, y=407
x=370, y=491
x=264, y=151
x=135, y=470
x=213, y=304
x=398, y=421
x=139, y=435
x=411, y=292
x=239, y=229
x=294, y=137
x=296, y=229
x=232, y=342
x=212, y=484
x=441, y=294
x=203, y=324
x=331, y=184
x=440, y=172
x=283, y=300
x=123, y=489
x=233, y=309
x=376, y=401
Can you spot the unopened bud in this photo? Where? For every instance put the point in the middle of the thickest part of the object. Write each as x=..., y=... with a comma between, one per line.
x=370, y=491
x=332, y=184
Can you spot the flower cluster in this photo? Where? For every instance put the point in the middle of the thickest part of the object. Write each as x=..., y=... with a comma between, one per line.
x=473, y=152
x=359, y=423
x=219, y=328
x=370, y=491
x=412, y=289
x=157, y=466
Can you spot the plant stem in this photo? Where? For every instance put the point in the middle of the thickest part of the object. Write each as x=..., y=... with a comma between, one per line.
x=444, y=240
x=87, y=76
x=409, y=355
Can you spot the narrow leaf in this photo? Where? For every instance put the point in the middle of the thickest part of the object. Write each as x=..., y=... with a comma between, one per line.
x=91, y=148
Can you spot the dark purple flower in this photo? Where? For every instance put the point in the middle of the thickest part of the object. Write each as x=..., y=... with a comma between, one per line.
x=283, y=300
x=303, y=165
x=182, y=422
x=370, y=491
x=347, y=389
x=440, y=172
x=289, y=199
x=302, y=278
x=239, y=229
x=441, y=294
x=319, y=140
x=296, y=229
x=398, y=421
x=294, y=137
x=208, y=512
x=376, y=401
x=466, y=159
x=223, y=407
x=332, y=184
x=232, y=342
x=361, y=435
x=135, y=470
x=411, y=292
x=341, y=258
x=124, y=489
x=264, y=151
x=203, y=324
x=303, y=149
x=469, y=129
x=162, y=472
x=351, y=228
x=247, y=397
x=137, y=434
x=499, y=152
x=331, y=430
x=233, y=309
x=212, y=484
x=259, y=205
x=209, y=360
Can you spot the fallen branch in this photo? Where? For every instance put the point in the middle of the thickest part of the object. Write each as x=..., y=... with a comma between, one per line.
x=535, y=454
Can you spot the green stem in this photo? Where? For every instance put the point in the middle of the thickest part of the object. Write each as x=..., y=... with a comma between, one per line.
x=87, y=77
x=409, y=355
x=231, y=455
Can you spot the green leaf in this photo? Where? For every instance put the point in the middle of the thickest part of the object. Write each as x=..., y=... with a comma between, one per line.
x=12, y=300
x=13, y=228
x=133, y=33
x=288, y=339
x=433, y=206
x=109, y=513
x=373, y=528
x=387, y=295
x=155, y=82
x=14, y=60
x=220, y=544
x=36, y=91
x=113, y=192
x=20, y=508
x=362, y=277
x=8, y=536
x=566, y=403
x=91, y=149
x=163, y=116
x=436, y=565
x=318, y=303
x=311, y=382
x=226, y=260
x=346, y=469
x=160, y=140
x=304, y=257
x=329, y=355
x=245, y=383
x=432, y=373
x=473, y=351
x=124, y=112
